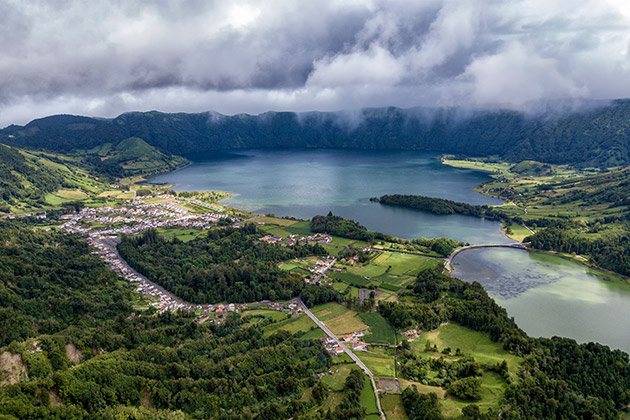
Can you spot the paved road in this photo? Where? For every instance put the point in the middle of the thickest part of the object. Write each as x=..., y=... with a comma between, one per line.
x=449, y=260
x=111, y=244
x=349, y=352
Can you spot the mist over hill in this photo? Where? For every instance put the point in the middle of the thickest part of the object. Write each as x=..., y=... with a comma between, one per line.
x=596, y=137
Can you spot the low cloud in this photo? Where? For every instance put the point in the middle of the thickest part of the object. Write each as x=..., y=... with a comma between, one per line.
x=104, y=58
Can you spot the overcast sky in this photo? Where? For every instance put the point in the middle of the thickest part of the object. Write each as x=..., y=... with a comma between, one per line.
x=102, y=58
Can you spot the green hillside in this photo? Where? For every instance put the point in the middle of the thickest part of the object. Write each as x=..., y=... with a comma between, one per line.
x=130, y=157
x=597, y=136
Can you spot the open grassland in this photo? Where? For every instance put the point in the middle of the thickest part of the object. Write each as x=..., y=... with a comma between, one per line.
x=267, y=313
x=275, y=230
x=342, y=287
x=471, y=343
x=379, y=364
x=367, y=398
x=275, y=221
x=117, y=194
x=300, y=228
x=492, y=389
x=387, y=271
x=328, y=310
x=392, y=406
x=380, y=330
x=71, y=194
x=519, y=232
x=300, y=265
x=424, y=389
x=184, y=235
x=338, y=378
x=299, y=323
x=482, y=349
x=338, y=318
x=345, y=323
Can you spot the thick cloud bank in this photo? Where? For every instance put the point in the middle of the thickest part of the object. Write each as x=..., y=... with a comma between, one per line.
x=104, y=58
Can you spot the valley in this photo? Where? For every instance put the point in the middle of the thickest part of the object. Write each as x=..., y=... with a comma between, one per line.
x=226, y=271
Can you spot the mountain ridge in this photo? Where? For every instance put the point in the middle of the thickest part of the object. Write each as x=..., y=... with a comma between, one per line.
x=593, y=137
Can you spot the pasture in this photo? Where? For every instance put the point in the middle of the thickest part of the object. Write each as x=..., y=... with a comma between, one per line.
x=380, y=330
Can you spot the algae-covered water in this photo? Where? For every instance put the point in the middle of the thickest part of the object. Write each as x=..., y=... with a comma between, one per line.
x=548, y=295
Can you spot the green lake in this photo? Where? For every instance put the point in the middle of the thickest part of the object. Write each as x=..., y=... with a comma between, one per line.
x=549, y=295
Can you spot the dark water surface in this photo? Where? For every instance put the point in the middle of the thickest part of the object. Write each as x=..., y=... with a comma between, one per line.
x=548, y=295
x=304, y=183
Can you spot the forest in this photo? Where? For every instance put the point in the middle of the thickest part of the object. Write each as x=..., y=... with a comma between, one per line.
x=582, y=138
x=338, y=226
x=612, y=253
x=50, y=281
x=85, y=351
x=226, y=265
x=439, y=206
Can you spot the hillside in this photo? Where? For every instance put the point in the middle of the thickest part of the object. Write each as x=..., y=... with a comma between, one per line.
x=129, y=157
x=598, y=137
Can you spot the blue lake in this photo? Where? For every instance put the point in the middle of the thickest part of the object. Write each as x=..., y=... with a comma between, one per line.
x=304, y=183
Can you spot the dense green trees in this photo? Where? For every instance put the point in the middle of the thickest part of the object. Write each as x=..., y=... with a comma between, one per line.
x=612, y=253
x=577, y=138
x=421, y=406
x=439, y=206
x=338, y=226
x=228, y=264
x=49, y=281
x=54, y=290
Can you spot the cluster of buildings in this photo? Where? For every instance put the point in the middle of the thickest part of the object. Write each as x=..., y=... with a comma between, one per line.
x=96, y=225
x=291, y=307
x=332, y=346
x=161, y=299
x=135, y=218
x=354, y=340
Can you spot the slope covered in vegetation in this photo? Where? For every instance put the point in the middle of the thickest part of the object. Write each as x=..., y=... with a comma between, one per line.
x=596, y=137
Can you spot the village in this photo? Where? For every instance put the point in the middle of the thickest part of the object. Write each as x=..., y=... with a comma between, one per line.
x=95, y=224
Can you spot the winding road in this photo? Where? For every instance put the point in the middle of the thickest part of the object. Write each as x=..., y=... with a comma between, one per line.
x=349, y=352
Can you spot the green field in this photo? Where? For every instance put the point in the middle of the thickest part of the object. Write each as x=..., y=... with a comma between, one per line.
x=300, y=228
x=267, y=313
x=367, y=398
x=184, y=235
x=392, y=406
x=380, y=330
x=472, y=343
x=338, y=318
x=483, y=350
x=337, y=379
x=300, y=265
x=275, y=221
x=350, y=278
x=328, y=310
x=275, y=230
x=379, y=364
x=299, y=323
x=386, y=270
